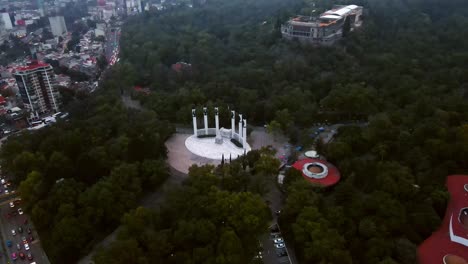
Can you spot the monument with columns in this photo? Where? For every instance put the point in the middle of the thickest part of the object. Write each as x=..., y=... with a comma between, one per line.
x=214, y=143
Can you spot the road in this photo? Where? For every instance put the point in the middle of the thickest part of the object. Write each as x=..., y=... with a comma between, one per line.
x=111, y=48
x=7, y=224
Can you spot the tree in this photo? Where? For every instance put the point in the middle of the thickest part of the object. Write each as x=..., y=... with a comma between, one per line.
x=31, y=188
x=229, y=248
x=125, y=251
x=101, y=62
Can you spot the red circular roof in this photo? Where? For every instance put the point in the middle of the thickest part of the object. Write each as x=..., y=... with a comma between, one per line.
x=333, y=174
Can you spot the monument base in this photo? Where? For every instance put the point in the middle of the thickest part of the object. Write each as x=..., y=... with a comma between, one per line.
x=207, y=148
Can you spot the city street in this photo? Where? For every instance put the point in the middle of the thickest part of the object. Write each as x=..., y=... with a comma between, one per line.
x=112, y=45
x=7, y=224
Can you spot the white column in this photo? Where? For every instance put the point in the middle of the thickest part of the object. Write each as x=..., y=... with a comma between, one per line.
x=217, y=121
x=240, y=128
x=244, y=134
x=194, y=116
x=205, y=120
x=233, y=123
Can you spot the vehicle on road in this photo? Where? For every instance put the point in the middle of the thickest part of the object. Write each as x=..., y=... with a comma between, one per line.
x=280, y=245
x=20, y=211
x=6, y=191
x=278, y=240
x=3, y=181
x=18, y=246
x=14, y=256
x=12, y=204
x=20, y=229
x=26, y=246
x=24, y=240
x=30, y=256
x=9, y=243
x=21, y=255
x=13, y=232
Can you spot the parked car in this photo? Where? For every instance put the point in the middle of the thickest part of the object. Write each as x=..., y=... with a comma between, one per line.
x=30, y=256
x=280, y=245
x=21, y=255
x=278, y=240
x=24, y=240
x=9, y=243
x=14, y=256
x=26, y=246
x=12, y=204
x=13, y=232
x=20, y=229
x=20, y=211
x=18, y=246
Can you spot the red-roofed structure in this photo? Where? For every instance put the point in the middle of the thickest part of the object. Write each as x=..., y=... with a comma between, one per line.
x=141, y=90
x=318, y=171
x=33, y=65
x=449, y=244
x=181, y=66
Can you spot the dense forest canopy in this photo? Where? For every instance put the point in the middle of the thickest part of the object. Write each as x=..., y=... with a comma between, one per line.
x=403, y=77
x=78, y=178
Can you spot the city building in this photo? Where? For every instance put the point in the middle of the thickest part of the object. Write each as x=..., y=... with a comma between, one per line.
x=57, y=24
x=100, y=29
x=133, y=6
x=6, y=21
x=325, y=29
x=317, y=171
x=449, y=244
x=36, y=83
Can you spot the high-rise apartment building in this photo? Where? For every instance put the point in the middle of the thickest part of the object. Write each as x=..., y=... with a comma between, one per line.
x=58, y=26
x=36, y=83
x=6, y=21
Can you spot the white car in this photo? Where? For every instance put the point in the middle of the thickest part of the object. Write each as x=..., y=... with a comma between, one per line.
x=12, y=204
x=281, y=245
x=3, y=181
x=6, y=191
x=20, y=211
x=26, y=246
x=13, y=232
x=278, y=240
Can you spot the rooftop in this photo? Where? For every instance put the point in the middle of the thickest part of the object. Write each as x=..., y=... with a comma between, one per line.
x=325, y=174
x=449, y=244
x=32, y=66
